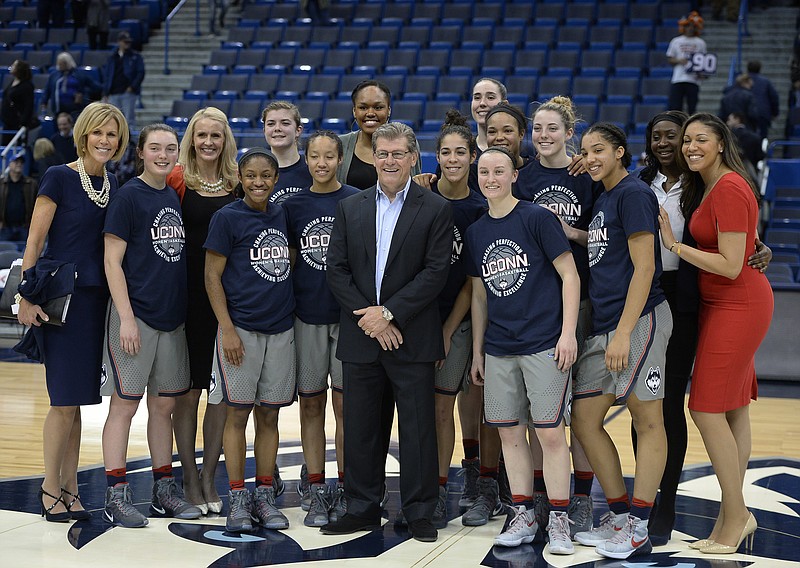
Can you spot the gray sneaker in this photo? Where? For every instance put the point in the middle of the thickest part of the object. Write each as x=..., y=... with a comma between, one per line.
x=168, y=501
x=265, y=511
x=303, y=488
x=471, y=470
x=277, y=482
x=439, y=518
x=338, y=503
x=119, y=509
x=319, y=506
x=240, y=506
x=580, y=514
x=486, y=506
x=558, y=528
x=522, y=528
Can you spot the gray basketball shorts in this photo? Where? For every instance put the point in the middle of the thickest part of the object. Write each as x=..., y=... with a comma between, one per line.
x=584, y=328
x=644, y=374
x=266, y=376
x=316, y=358
x=525, y=389
x=161, y=366
x=454, y=376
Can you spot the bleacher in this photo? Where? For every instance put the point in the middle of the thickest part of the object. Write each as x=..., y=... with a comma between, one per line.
x=609, y=56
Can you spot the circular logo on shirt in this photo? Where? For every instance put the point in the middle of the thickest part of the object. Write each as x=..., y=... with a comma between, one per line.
x=598, y=238
x=283, y=194
x=562, y=201
x=168, y=235
x=269, y=256
x=504, y=267
x=314, y=242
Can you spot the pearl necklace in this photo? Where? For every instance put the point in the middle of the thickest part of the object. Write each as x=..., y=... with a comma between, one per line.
x=215, y=187
x=99, y=198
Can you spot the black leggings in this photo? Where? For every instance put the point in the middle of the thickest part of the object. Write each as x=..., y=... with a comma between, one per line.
x=680, y=358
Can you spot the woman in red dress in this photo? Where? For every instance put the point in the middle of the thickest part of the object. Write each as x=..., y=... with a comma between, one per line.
x=735, y=312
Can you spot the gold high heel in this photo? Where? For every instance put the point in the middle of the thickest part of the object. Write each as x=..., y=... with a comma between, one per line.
x=702, y=543
x=748, y=532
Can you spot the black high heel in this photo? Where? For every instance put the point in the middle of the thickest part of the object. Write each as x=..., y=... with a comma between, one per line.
x=83, y=515
x=52, y=517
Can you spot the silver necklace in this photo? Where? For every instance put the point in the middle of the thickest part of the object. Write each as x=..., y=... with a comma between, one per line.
x=215, y=187
x=99, y=198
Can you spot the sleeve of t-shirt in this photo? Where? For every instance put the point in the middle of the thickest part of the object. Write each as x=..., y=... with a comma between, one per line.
x=638, y=212
x=291, y=232
x=470, y=262
x=51, y=186
x=550, y=235
x=672, y=49
x=120, y=217
x=219, y=237
x=732, y=206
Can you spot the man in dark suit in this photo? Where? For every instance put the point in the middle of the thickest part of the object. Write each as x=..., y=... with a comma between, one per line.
x=388, y=259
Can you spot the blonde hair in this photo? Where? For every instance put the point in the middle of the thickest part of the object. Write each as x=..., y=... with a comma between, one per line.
x=94, y=116
x=42, y=148
x=226, y=165
x=565, y=108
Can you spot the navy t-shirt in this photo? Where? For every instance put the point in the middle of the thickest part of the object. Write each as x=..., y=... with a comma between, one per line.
x=630, y=207
x=465, y=212
x=514, y=257
x=570, y=197
x=291, y=179
x=256, y=279
x=309, y=217
x=149, y=221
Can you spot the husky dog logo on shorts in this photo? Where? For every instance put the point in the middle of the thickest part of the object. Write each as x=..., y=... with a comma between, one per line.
x=504, y=267
x=598, y=238
x=314, y=242
x=458, y=245
x=212, y=384
x=653, y=380
x=269, y=256
x=168, y=234
x=562, y=201
x=103, y=375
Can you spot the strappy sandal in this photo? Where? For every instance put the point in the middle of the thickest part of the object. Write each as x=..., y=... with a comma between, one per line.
x=62, y=517
x=78, y=515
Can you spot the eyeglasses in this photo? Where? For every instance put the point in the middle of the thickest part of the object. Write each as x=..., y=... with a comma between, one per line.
x=383, y=154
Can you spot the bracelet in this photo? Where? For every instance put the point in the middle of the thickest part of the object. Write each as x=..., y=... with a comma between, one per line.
x=678, y=252
x=672, y=246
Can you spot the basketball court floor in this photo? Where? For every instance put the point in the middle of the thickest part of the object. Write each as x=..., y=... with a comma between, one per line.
x=772, y=491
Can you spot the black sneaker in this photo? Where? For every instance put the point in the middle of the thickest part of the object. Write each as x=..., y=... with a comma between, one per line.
x=471, y=470
x=439, y=518
x=303, y=488
x=486, y=506
x=278, y=483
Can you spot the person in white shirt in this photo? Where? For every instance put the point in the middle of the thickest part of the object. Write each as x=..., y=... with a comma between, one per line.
x=685, y=84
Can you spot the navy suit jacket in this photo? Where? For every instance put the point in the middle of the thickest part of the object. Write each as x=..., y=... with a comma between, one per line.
x=416, y=271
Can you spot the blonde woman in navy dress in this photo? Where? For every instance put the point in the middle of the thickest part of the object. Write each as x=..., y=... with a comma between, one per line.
x=205, y=178
x=69, y=214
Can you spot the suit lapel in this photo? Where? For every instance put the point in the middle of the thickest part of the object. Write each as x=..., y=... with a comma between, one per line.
x=407, y=215
x=368, y=210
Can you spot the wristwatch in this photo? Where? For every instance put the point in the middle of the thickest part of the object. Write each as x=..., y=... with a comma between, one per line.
x=387, y=315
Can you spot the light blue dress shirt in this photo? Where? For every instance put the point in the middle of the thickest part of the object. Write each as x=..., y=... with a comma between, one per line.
x=387, y=213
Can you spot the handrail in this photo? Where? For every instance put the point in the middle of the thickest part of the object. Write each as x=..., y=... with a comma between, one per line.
x=10, y=146
x=167, y=21
x=742, y=31
x=775, y=143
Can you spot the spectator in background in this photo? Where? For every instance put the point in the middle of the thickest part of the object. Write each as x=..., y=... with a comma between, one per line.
x=17, y=195
x=62, y=140
x=739, y=98
x=685, y=85
x=68, y=87
x=731, y=9
x=45, y=155
x=793, y=115
x=317, y=10
x=17, y=107
x=97, y=19
x=48, y=11
x=222, y=7
x=79, y=10
x=122, y=78
x=750, y=148
x=766, y=98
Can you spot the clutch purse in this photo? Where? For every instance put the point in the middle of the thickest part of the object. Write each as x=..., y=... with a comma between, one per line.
x=55, y=308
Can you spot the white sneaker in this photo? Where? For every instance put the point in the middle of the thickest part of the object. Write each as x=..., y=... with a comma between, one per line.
x=521, y=529
x=558, y=533
x=632, y=540
x=610, y=524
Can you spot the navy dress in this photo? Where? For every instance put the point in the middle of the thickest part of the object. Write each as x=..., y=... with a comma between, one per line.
x=72, y=353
